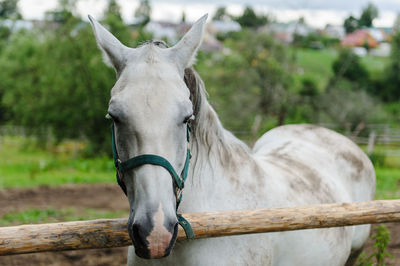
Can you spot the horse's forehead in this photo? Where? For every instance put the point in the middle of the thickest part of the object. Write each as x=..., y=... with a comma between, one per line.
x=149, y=89
x=144, y=74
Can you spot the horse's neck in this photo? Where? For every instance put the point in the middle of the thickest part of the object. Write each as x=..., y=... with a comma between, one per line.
x=214, y=147
x=223, y=171
x=217, y=164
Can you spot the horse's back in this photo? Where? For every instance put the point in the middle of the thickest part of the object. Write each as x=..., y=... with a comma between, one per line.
x=314, y=165
x=319, y=155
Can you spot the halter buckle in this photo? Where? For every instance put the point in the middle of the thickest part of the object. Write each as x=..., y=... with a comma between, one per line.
x=178, y=194
x=117, y=168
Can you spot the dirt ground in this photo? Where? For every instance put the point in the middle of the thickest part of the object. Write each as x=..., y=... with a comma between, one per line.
x=102, y=197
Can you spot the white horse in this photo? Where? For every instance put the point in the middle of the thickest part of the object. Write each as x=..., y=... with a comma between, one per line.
x=156, y=94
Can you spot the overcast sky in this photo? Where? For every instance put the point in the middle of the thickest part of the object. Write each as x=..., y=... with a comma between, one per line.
x=316, y=12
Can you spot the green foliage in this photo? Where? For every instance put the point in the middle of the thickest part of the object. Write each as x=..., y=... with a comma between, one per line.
x=309, y=87
x=220, y=14
x=183, y=17
x=369, y=13
x=391, y=91
x=346, y=101
x=314, y=64
x=54, y=82
x=48, y=215
x=350, y=24
x=244, y=82
x=314, y=41
x=377, y=158
x=9, y=9
x=382, y=238
x=345, y=105
x=113, y=19
x=388, y=182
x=393, y=108
x=63, y=13
x=348, y=66
x=24, y=165
x=113, y=9
x=60, y=84
x=249, y=19
x=143, y=13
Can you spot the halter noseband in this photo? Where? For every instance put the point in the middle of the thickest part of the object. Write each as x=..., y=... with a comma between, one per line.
x=140, y=160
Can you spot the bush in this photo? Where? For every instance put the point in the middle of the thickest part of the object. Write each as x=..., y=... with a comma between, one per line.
x=348, y=65
x=377, y=158
x=380, y=253
x=54, y=83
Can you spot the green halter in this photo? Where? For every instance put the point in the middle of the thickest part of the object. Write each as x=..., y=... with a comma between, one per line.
x=160, y=161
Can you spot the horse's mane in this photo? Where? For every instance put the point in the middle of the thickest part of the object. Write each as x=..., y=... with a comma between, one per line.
x=209, y=136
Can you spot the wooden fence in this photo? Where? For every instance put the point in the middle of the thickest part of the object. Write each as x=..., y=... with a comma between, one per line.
x=113, y=232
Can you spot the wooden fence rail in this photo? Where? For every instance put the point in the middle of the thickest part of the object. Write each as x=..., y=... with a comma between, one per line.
x=113, y=232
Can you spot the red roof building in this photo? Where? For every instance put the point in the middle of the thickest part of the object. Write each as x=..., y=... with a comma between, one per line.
x=359, y=38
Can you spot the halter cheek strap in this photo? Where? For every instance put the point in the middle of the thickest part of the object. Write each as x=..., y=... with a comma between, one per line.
x=160, y=161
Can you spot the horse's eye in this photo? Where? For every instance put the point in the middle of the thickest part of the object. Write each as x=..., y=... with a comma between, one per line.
x=188, y=119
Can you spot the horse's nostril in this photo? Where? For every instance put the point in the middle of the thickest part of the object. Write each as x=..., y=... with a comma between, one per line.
x=137, y=236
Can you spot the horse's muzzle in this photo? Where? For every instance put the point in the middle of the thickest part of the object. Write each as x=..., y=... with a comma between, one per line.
x=152, y=242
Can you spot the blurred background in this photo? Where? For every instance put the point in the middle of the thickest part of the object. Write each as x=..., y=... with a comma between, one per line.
x=264, y=64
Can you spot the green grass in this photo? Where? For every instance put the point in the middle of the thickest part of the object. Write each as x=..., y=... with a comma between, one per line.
x=375, y=65
x=387, y=183
x=23, y=165
x=49, y=215
x=387, y=169
x=317, y=65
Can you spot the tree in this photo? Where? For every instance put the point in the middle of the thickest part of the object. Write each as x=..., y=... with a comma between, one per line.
x=350, y=24
x=391, y=90
x=113, y=9
x=350, y=108
x=9, y=9
x=63, y=13
x=143, y=12
x=220, y=14
x=348, y=66
x=369, y=13
x=396, y=24
x=113, y=19
x=183, y=17
x=55, y=81
x=250, y=19
x=58, y=82
x=252, y=80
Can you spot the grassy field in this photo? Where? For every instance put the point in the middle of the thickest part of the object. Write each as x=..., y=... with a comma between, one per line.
x=387, y=183
x=33, y=215
x=317, y=64
x=23, y=165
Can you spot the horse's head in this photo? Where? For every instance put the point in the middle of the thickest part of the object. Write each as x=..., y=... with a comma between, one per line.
x=150, y=108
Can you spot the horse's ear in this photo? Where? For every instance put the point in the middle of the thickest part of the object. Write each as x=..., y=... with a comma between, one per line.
x=114, y=52
x=184, y=52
